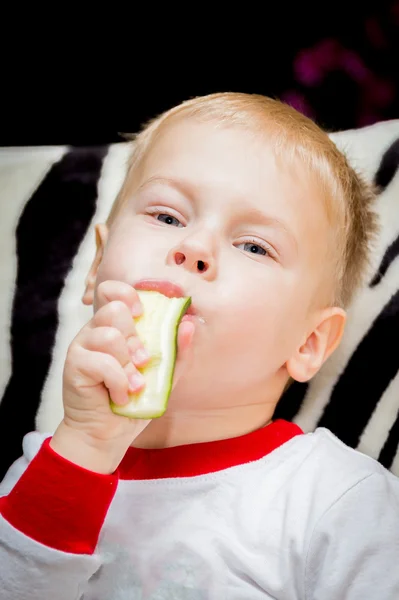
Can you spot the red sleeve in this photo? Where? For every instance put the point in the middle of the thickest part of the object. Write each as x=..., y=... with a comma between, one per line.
x=58, y=503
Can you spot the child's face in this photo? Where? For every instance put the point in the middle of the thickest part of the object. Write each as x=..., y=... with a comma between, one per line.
x=213, y=211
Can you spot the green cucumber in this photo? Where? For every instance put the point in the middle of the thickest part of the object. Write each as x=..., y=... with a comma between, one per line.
x=157, y=330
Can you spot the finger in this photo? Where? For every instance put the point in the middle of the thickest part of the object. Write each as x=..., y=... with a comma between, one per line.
x=138, y=353
x=97, y=368
x=108, y=340
x=109, y=291
x=185, y=335
x=115, y=314
x=100, y=368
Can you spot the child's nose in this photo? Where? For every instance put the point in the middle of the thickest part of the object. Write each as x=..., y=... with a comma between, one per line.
x=199, y=265
x=196, y=254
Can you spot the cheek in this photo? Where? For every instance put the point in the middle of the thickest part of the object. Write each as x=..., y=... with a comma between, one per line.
x=252, y=326
x=111, y=268
x=127, y=256
x=256, y=322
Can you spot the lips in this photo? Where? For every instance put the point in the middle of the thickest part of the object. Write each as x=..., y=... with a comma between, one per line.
x=165, y=287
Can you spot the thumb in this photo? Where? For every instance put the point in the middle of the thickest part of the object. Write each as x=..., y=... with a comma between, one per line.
x=185, y=336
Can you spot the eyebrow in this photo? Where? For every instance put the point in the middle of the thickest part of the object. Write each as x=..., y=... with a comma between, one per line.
x=176, y=184
x=257, y=215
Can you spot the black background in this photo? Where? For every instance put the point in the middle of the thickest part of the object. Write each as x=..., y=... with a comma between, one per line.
x=66, y=79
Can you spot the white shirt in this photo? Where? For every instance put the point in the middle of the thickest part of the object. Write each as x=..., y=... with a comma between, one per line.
x=272, y=514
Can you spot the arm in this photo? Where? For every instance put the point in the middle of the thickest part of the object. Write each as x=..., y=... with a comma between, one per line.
x=354, y=549
x=56, y=496
x=54, y=504
x=49, y=525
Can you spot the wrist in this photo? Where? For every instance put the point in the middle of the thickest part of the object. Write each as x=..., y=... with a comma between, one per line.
x=99, y=456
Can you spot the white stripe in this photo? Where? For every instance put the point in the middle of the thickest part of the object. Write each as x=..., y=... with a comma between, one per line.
x=395, y=464
x=364, y=310
x=21, y=172
x=364, y=147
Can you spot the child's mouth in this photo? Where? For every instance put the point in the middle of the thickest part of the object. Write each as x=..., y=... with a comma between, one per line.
x=167, y=288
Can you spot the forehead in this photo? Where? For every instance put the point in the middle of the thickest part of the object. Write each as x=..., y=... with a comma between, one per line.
x=233, y=163
x=209, y=154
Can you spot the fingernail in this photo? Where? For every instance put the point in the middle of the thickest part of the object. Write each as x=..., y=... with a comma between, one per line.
x=137, y=309
x=136, y=381
x=140, y=356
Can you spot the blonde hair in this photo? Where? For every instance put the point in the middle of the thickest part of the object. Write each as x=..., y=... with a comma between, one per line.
x=348, y=198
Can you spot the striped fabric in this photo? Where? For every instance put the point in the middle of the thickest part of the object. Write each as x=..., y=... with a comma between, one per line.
x=50, y=199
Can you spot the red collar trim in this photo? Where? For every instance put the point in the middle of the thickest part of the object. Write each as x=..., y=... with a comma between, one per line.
x=206, y=457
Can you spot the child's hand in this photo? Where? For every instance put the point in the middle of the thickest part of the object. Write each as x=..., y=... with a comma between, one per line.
x=102, y=360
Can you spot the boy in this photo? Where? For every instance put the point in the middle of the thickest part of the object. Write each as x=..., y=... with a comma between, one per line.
x=249, y=208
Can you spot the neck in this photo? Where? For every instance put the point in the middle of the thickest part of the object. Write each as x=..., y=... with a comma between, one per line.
x=178, y=428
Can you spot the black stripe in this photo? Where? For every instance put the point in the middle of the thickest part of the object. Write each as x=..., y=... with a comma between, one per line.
x=390, y=448
x=390, y=254
x=291, y=401
x=388, y=166
x=368, y=373
x=50, y=230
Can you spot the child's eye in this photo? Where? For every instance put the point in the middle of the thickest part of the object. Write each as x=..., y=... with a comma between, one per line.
x=253, y=248
x=168, y=220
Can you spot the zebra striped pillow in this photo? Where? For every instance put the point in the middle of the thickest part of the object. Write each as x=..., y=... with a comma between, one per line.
x=51, y=198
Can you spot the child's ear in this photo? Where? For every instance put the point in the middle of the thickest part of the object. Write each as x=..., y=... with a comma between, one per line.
x=320, y=343
x=101, y=239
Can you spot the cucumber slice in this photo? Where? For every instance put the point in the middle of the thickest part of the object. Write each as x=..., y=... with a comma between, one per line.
x=157, y=329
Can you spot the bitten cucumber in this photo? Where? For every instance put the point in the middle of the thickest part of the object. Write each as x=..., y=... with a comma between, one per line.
x=157, y=329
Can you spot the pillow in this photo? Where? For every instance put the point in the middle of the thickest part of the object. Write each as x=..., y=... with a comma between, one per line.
x=51, y=199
